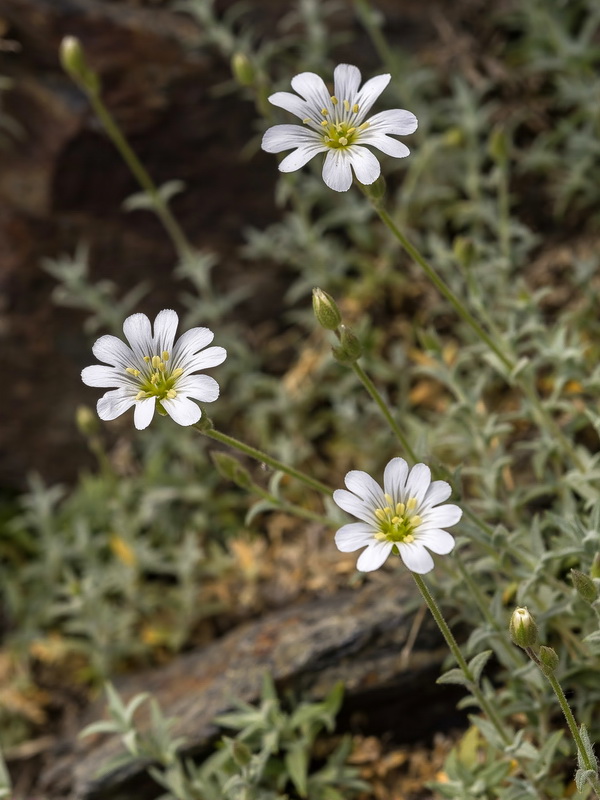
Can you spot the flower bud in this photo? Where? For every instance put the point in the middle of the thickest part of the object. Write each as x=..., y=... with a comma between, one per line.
x=464, y=250
x=242, y=755
x=326, y=310
x=595, y=570
x=350, y=349
x=498, y=145
x=231, y=469
x=523, y=630
x=86, y=421
x=548, y=660
x=243, y=69
x=72, y=58
x=585, y=586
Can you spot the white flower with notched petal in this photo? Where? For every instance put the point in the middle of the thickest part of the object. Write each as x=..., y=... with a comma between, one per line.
x=404, y=517
x=155, y=371
x=336, y=125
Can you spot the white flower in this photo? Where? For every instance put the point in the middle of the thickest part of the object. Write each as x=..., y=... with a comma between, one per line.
x=336, y=125
x=404, y=517
x=155, y=372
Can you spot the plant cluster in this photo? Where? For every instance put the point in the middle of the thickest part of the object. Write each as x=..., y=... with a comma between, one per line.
x=466, y=338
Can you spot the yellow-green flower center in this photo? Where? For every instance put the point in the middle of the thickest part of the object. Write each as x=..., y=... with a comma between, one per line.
x=339, y=129
x=397, y=522
x=156, y=380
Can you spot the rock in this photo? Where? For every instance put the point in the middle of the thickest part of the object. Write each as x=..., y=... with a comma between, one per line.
x=357, y=636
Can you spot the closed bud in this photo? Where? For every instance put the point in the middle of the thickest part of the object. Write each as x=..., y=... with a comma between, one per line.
x=464, y=250
x=326, y=311
x=548, y=660
x=242, y=755
x=595, y=570
x=585, y=586
x=243, y=69
x=86, y=421
x=454, y=137
x=498, y=145
x=523, y=630
x=231, y=469
x=72, y=58
x=350, y=346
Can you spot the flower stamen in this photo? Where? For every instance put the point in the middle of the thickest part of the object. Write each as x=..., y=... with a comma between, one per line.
x=397, y=522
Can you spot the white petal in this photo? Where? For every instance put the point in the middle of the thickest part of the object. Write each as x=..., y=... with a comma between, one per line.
x=374, y=556
x=200, y=387
x=98, y=375
x=301, y=156
x=395, y=120
x=417, y=482
x=394, y=478
x=365, y=487
x=182, y=410
x=113, y=351
x=144, y=411
x=336, y=171
x=285, y=137
x=438, y=492
x=346, y=80
x=415, y=557
x=441, y=517
x=368, y=94
x=115, y=403
x=364, y=163
x=290, y=102
x=386, y=144
x=189, y=343
x=353, y=536
x=353, y=505
x=314, y=91
x=205, y=359
x=138, y=331
x=165, y=326
x=438, y=541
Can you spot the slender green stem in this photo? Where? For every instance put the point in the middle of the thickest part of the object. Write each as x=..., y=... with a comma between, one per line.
x=543, y=418
x=461, y=661
x=372, y=390
x=483, y=604
x=172, y=227
x=292, y=508
x=444, y=289
x=571, y=722
x=385, y=53
x=264, y=458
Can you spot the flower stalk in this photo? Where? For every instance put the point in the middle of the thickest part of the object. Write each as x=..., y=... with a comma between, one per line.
x=543, y=418
x=74, y=63
x=205, y=427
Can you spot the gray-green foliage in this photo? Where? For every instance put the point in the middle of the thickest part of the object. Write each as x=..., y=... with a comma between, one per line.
x=531, y=511
x=269, y=753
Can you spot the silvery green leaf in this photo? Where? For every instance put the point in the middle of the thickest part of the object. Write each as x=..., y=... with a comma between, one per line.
x=454, y=676
x=144, y=201
x=478, y=662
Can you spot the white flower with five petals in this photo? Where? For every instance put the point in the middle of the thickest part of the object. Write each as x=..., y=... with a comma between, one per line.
x=155, y=372
x=404, y=517
x=337, y=125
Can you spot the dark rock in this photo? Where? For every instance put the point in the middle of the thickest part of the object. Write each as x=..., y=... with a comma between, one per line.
x=359, y=637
